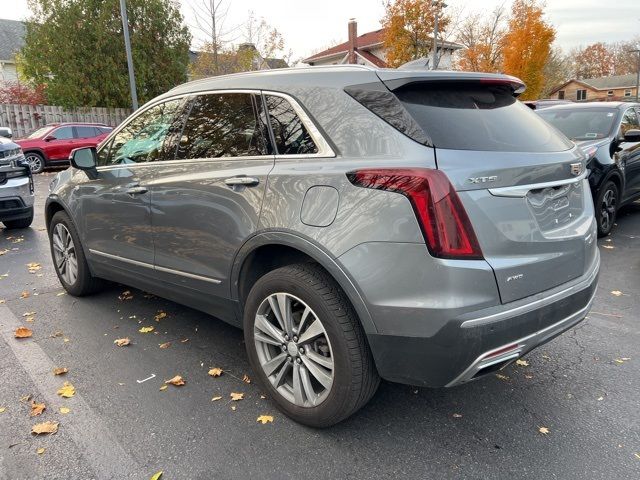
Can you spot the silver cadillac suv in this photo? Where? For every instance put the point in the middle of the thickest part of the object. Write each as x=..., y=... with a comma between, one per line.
x=422, y=227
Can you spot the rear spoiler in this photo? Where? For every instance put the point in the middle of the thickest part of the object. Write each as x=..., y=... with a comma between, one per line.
x=394, y=80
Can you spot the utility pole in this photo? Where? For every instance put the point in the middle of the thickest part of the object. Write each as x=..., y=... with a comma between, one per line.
x=127, y=46
x=637, y=51
x=436, y=4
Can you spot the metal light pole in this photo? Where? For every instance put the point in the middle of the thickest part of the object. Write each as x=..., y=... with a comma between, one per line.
x=637, y=72
x=436, y=3
x=127, y=46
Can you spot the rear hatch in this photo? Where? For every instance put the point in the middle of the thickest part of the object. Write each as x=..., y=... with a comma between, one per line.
x=521, y=182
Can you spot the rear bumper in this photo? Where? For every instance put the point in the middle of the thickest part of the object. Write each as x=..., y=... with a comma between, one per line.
x=472, y=345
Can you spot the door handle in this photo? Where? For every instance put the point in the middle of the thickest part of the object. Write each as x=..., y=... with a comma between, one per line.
x=243, y=181
x=136, y=190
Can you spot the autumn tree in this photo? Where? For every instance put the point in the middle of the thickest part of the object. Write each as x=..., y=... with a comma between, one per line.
x=482, y=38
x=625, y=60
x=76, y=48
x=527, y=45
x=594, y=61
x=408, y=29
x=23, y=93
x=557, y=70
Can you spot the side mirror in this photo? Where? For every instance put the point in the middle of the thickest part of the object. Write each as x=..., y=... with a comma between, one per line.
x=83, y=158
x=6, y=132
x=632, y=135
x=48, y=138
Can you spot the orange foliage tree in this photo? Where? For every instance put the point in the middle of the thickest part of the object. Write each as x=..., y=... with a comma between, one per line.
x=527, y=45
x=408, y=28
x=594, y=61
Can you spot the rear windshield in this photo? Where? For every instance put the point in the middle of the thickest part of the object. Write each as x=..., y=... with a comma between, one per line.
x=478, y=117
x=582, y=123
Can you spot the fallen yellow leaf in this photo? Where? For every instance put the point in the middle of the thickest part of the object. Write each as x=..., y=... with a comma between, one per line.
x=160, y=316
x=215, y=372
x=23, y=332
x=236, y=396
x=617, y=293
x=67, y=390
x=163, y=387
x=126, y=295
x=522, y=363
x=2, y=409
x=233, y=407
x=265, y=419
x=543, y=430
x=60, y=371
x=146, y=329
x=122, y=342
x=165, y=345
x=37, y=408
x=637, y=455
x=156, y=476
x=40, y=451
x=24, y=294
x=215, y=399
x=246, y=378
x=45, y=427
x=178, y=381
x=499, y=376
x=28, y=314
x=64, y=410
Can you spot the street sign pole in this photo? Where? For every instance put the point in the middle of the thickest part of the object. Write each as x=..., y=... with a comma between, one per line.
x=127, y=46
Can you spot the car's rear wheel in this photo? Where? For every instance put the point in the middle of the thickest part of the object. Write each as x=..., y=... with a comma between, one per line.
x=21, y=223
x=68, y=257
x=606, y=208
x=35, y=161
x=307, y=347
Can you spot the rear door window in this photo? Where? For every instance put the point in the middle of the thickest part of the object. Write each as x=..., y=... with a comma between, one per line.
x=473, y=116
x=85, y=132
x=223, y=125
x=290, y=134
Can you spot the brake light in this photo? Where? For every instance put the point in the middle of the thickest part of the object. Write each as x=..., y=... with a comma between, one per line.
x=444, y=222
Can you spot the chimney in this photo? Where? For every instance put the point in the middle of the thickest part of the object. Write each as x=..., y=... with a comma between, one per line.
x=353, y=40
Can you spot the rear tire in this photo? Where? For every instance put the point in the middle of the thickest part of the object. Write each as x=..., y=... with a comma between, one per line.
x=35, y=161
x=330, y=337
x=607, y=207
x=21, y=223
x=68, y=257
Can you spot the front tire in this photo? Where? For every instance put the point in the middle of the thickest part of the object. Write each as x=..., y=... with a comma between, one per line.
x=607, y=208
x=21, y=223
x=68, y=257
x=307, y=347
x=35, y=162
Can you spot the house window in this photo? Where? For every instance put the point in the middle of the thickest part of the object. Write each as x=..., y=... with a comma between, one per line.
x=610, y=93
x=627, y=92
x=561, y=95
x=581, y=94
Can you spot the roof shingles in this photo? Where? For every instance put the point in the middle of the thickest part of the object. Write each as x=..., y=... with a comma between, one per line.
x=12, y=35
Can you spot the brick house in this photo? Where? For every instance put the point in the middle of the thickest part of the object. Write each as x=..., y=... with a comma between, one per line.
x=617, y=87
x=368, y=49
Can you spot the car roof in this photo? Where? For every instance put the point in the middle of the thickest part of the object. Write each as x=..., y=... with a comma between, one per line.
x=603, y=105
x=74, y=124
x=334, y=75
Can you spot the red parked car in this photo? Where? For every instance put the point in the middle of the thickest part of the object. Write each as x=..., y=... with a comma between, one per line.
x=52, y=144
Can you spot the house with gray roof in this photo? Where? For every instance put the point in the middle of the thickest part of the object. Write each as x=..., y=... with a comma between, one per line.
x=616, y=87
x=12, y=34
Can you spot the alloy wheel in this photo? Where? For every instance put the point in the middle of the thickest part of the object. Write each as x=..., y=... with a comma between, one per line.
x=64, y=252
x=34, y=162
x=607, y=209
x=294, y=350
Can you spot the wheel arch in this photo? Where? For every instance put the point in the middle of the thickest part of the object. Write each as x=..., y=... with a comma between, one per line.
x=37, y=150
x=53, y=206
x=270, y=250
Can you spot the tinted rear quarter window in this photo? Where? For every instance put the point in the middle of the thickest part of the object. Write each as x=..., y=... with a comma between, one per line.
x=473, y=116
x=86, y=132
x=222, y=125
x=290, y=134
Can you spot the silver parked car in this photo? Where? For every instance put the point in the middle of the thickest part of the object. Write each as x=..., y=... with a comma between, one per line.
x=422, y=227
x=16, y=186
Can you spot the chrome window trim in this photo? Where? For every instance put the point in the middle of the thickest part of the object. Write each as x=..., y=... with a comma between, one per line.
x=324, y=149
x=522, y=190
x=155, y=267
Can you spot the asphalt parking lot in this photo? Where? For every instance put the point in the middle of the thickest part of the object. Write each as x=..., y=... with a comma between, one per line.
x=583, y=387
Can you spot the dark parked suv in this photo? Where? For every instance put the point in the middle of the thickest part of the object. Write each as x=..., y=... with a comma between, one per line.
x=609, y=133
x=423, y=227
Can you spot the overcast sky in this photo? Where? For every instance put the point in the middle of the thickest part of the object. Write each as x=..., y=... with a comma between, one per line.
x=312, y=25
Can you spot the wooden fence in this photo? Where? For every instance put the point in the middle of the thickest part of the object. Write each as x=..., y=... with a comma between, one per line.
x=23, y=119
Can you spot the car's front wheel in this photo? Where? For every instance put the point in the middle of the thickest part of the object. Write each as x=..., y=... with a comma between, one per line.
x=68, y=257
x=35, y=161
x=307, y=347
x=606, y=208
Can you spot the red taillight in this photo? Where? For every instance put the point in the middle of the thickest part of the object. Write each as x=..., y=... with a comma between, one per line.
x=443, y=220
